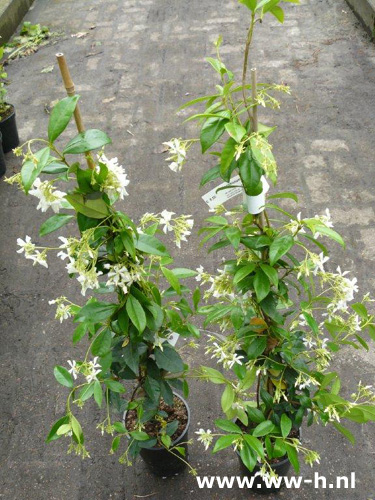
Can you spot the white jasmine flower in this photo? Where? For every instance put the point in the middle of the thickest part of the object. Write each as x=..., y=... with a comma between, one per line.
x=121, y=277
x=236, y=360
x=205, y=437
x=116, y=181
x=319, y=262
x=177, y=151
x=89, y=279
x=200, y=271
x=63, y=311
x=48, y=196
x=93, y=370
x=39, y=258
x=294, y=225
x=165, y=219
x=73, y=368
x=26, y=246
x=326, y=219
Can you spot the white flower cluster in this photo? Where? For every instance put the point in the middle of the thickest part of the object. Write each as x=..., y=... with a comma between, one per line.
x=181, y=226
x=343, y=289
x=205, y=437
x=116, y=181
x=177, y=153
x=90, y=369
x=48, y=196
x=122, y=277
x=63, y=309
x=225, y=353
x=82, y=260
x=31, y=252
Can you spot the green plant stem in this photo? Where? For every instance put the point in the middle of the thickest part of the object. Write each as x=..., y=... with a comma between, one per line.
x=245, y=62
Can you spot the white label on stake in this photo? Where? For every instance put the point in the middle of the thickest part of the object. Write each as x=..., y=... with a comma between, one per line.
x=214, y=198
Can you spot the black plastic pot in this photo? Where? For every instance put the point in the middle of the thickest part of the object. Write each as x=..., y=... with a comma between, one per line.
x=2, y=158
x=259, y=486
x=8, y=128
x=162, y=462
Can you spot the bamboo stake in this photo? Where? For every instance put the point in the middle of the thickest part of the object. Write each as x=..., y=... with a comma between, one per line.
x=70, y=90
x=254, y=95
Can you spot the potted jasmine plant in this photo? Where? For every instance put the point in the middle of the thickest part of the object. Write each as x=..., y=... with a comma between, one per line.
x=283, y=311
x=132, y=364
x=8, y=127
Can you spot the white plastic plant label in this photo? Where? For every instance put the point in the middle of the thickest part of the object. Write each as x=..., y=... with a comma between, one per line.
x=214, y=197
x=255, y=204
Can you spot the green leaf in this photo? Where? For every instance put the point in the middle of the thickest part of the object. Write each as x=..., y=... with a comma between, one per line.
x=248, y=456
x=227, y=398
x=250, y=4
x=250, y=173
x=115, y=443
x=279, y=247
x=86, y=392
x=30, y=171
x=234, y=236
x=243, y=272
x=63, y=376
x=60, y=116
x=237, y=318
x=235, y=130
x=346, y=432
x=54, y=223
x=291, y=196
x=278, y=13
x=271, y=273
x=261, y=284
x=211, y=174
x=293, y=456
x=87, y=141
x=79, y=333
x=102, y=343
x=140, y=435
x=151, y=245
x=255, y=444
x=95, y=208
x=136, y=313
x=360, y=309
x=52, y=436
x=227, y=156
x=77, y=429
x=172, y=279
x=213, y=375
x=228, y=426
x=286, y=425
x=114, y=386
x=330, y=233
x=224, y=442
x=98, y=393
x=263, y=428
x=213, y=128
x=95, y=312
x=257, y=347
x=183, y=272
x=255, y=415
x=168, y=359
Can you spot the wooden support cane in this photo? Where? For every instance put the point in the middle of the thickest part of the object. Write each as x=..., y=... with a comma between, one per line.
x=70, y=90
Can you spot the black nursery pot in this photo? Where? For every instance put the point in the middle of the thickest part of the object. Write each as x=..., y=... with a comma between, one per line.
x=2, y=158
x=259, y=486
x=163, y=463
x=8, y=128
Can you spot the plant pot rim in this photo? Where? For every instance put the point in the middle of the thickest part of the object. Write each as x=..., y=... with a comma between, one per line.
x=180, y=438
x=13, y=112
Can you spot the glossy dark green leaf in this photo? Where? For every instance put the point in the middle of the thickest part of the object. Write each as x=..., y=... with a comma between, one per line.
x=60, y=116
x=54, y=223
x=87, y=141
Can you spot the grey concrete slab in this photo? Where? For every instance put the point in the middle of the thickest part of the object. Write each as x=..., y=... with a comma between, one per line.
x=148, y=55
x=365, y=11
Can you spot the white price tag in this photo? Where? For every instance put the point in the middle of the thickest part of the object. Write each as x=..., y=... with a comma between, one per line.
x=214, y=198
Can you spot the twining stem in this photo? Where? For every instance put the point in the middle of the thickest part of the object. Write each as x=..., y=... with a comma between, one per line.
x=245, y=63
